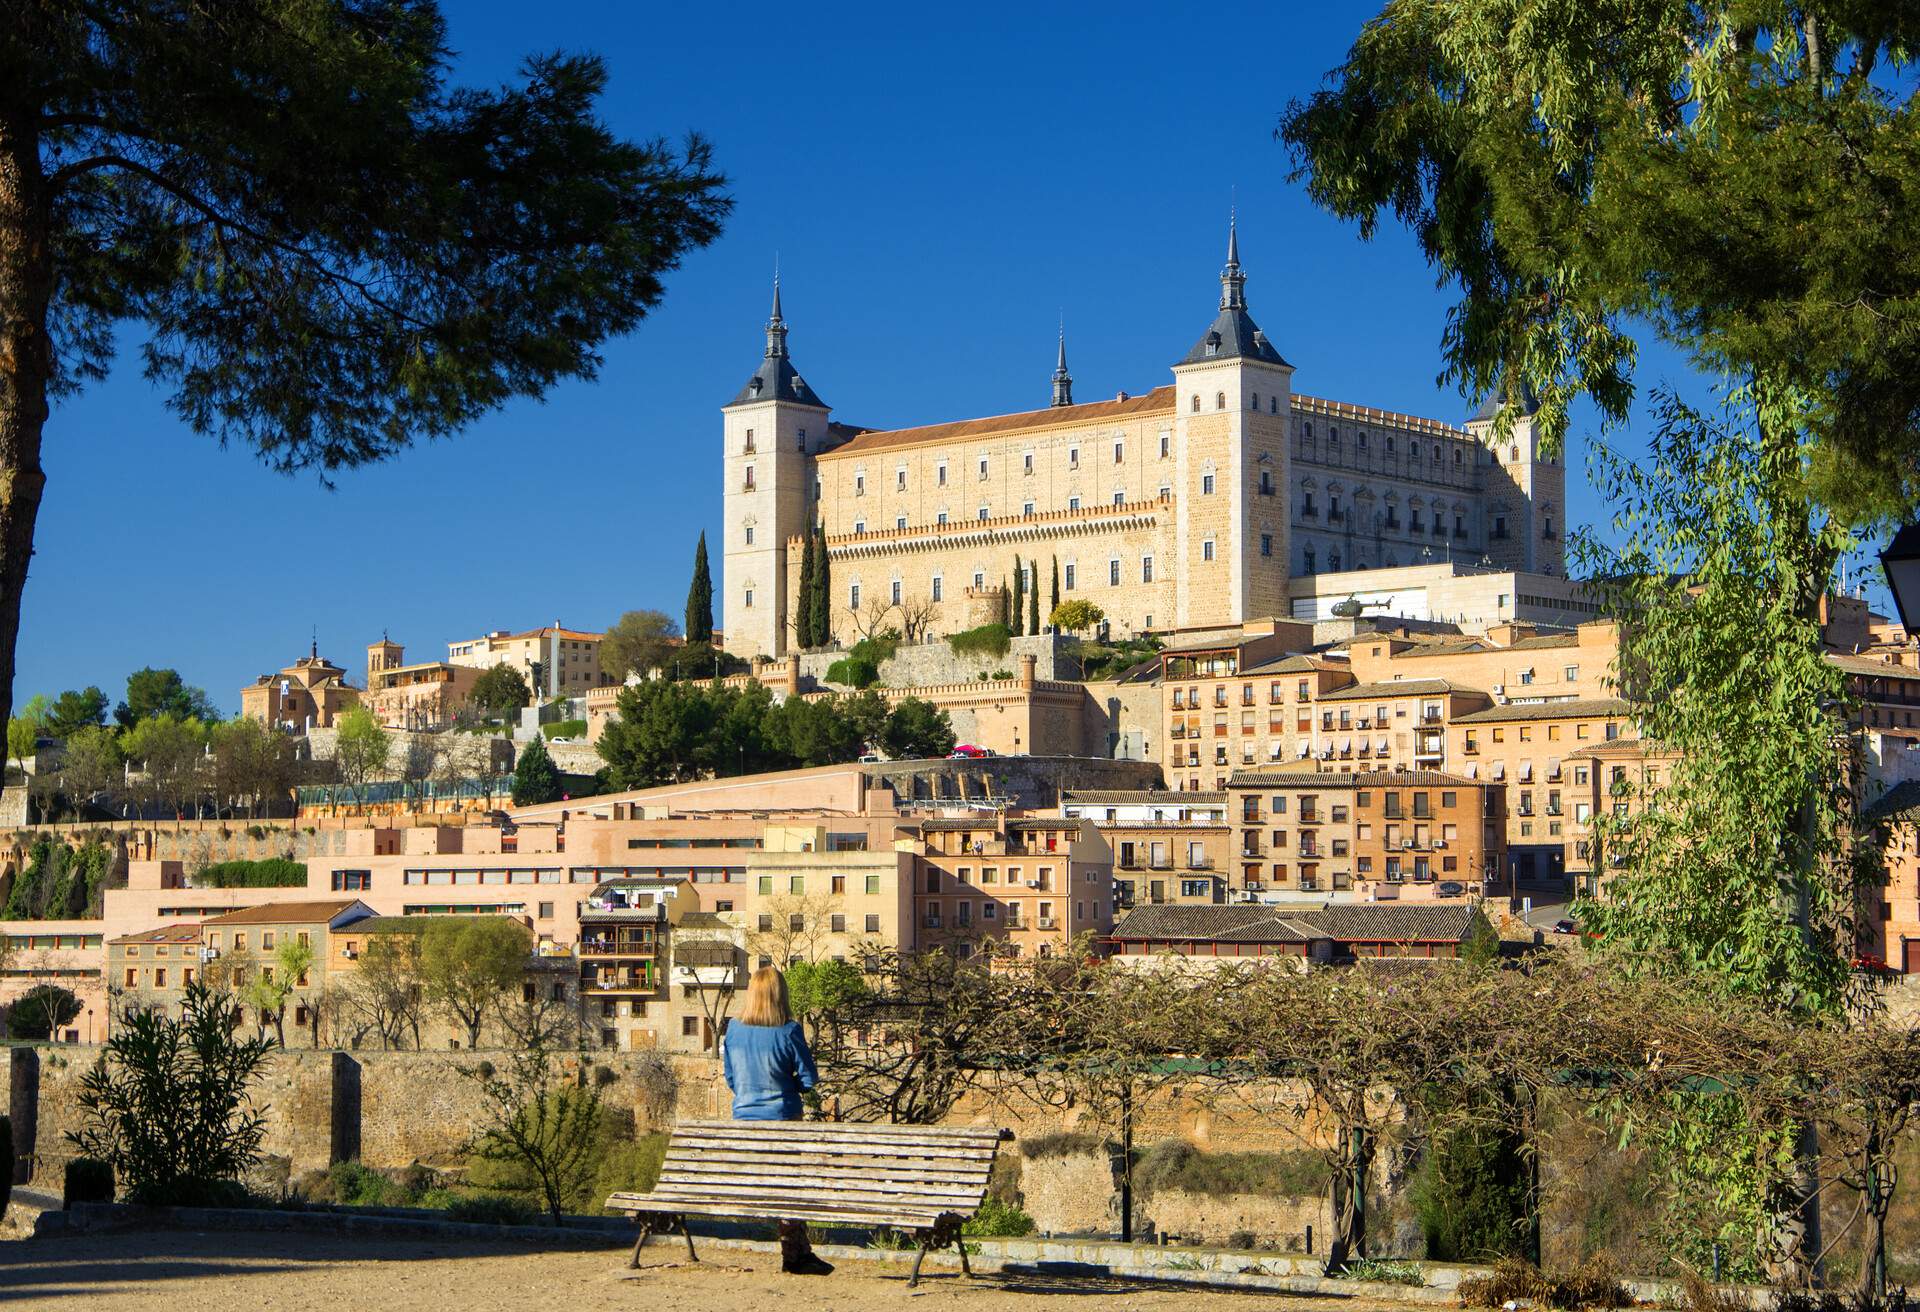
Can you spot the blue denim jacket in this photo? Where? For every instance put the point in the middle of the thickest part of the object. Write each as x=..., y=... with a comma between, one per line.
x=767, y=1067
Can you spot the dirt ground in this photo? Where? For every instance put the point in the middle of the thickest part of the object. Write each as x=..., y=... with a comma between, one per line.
x=259, y=1272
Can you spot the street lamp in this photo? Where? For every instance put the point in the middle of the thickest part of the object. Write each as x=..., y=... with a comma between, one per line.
x=1901, y=561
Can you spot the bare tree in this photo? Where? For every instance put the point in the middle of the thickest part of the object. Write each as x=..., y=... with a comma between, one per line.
x=917, y=614
x=870, y=620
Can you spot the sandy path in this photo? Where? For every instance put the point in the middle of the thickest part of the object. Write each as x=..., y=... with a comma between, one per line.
x=257, y=1272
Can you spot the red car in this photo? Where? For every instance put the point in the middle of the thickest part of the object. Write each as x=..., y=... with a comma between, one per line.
x=967, y=752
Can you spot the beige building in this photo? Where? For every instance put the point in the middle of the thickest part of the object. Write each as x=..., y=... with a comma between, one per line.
x=1030, y=886
x=1193, y=503
x=426, y=695
x=1168, y=847
x=555, y=661
x=311, y=693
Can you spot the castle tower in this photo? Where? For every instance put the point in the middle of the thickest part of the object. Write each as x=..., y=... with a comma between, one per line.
x=771, y=431
x=1233, y=404
x=1524, y=502
x=1062, y=380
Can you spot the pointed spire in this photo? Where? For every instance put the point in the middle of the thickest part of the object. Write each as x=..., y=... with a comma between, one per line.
x=1062, y=380
x=1233, y=283
x=776, y=324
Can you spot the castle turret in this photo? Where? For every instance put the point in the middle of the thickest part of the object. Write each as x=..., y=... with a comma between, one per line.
x=1525, y=495
x=1062, y=380
x=771, y=430
x=1233, y=403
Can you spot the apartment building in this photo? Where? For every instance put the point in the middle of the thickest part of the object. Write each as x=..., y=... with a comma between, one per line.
x=1030, y=885
x=1373, y=836
x=1890, y=925
x=556, y=661
x=151, y=970
x=239, y=943
x=423, y=696
x=1168, y=848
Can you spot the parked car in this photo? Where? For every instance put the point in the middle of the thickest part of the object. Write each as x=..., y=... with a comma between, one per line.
x=1563, y=927
x=967, y=752
x=870, y=758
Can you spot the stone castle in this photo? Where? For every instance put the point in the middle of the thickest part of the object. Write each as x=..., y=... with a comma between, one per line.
x=1190, y=505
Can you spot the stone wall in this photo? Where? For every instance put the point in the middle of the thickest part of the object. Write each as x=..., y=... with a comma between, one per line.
x=1029, y=781
x=932, y=663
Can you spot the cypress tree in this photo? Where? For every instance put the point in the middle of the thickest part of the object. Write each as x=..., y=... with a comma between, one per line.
x=803, y=606
x=1017, y=612
x=822, y=590
x=1053, y=603
x=535, y=779
x=1033, y=601
x=700, y=597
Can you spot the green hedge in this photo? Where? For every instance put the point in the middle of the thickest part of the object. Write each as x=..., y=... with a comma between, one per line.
x=565, y=729
x=275, y=872
x=987, y=640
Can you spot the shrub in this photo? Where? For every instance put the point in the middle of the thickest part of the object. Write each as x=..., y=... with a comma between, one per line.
x=1175, y=1164
x=362, y=1186
x=853, y=672
x=1595, y=1284
x=987, y=640
x=1042, y=1146
x=627, y=1166
x=997, y=1219
x=89, y=1180
x=1385, y=1271
x=565, y=729
x=1471, y=1195
x=491, y=1209
x=274, y=872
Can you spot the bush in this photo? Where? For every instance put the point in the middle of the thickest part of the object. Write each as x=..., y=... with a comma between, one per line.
x=1595, y=1284
x=89, y=1180
x=987, y=640
x=1042, y=1146
x=1384, y=1271
x=492, y=1209
x=628, y=1166
x=274, y=872
x=853, y=672
x=565, y=729
x=996, y=1219
x=1471, y=1196
x=1175, y=1164
x=362, y=1186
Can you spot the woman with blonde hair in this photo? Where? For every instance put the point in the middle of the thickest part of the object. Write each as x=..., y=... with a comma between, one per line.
x=768, y=1064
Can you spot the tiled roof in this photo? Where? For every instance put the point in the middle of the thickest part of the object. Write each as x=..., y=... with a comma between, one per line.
x=1328, y=780
x=1232, y=643
x=390, y=924
x=1542, y=640
x=1297, y=664
x=1572, y=710
x=1872, y=666
x=1394, y=688
x=702, y=920
x=1139, y=796
x=286, y=913
x=1359, y=922
x=1461, y=647
x=164, y=934
x=1159, y=399
x=1902, y=802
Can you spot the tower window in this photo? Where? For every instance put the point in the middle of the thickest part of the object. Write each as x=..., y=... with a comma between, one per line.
x=1119, y=498
x=940, y=473
x=1273, y=405
x=1071, y=577
x=859, y=485
x=853, y=597
x=983, y=468
x=1073, y=503
x=859, y=526
x=1026, y=463
x=1333, y=438
x=940, y=518
x=899, y=521
x=938, y=587
x=1266, y=544
x=749, y=598
x=1073, y=457
x=1113, y=573
x=1164, y=442
x=900, y=479
x=1256, y=400
x=749, y=535
x=1219, y=400
x=1196, y=403
x=1206, y=549
x=893, y=592
x=1206, y=485
x=1306, y=560
x=1146, y=569
x=1333, y=561
x=984, y=513
x=749, y=441
x=1026, y=508
x=1119, y=452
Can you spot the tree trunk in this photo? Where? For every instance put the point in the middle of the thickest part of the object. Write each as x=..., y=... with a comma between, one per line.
x=26, y=365
x=1349, y=1199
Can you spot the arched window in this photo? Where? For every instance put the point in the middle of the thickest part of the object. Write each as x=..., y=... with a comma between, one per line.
x=1273, y=405
x=1333, y=561
x=1219, y=400
x=1196, y=403
x=1256, y=400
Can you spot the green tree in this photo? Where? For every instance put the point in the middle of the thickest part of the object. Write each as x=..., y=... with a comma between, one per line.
x=542, y=1121
x=267, y=991
x=40, y=1011
x=803, y=635
x=813, y=731
x=153, y=692
x=640, y=641
x=171, y=751
x=1053, y=597
x=470, y=964
x=23, y=738
x=501, y=690
x=383, y=992
x=1017, y=611
x=1033, y=602
x=292, y=961
x=822, y=589
x=170, y=1101
x=74, y=710
x=248, y=764
x=700, y=597
x=335, y=253
x=917, y=728
x=816, y=989
x=657, y=736
x=91, y=766
x=535, y=780
x=867, y=712
x=361, y=747
x=1075, y=616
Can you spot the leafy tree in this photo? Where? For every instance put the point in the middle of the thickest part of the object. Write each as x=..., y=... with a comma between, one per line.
x=700, y=597
x=267, y=991
x=40, y=1011
x=1033, y=606
x=171, y=750
x=170, y=1103
x=822, y=601
x=542, y=1121
x=640, y=641
x=292, y=961
x=1076, y=615
x=382, y=993
x=470, y=964
x=335, y=253
x=1053, y=598
x=361, y=747
x=867, y=712
x=658, y=735
x=152, y=692
x=249, y=764
x=535, y=780
x=812, y=731
x=918, y=728
x=816, y=989
x=500, y=690
x=23, y=737
x=74, y=710
x=91, y=766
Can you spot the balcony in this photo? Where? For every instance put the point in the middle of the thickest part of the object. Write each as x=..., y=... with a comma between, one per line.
x=1045, y=922
x=603, y=948
x=629, y=980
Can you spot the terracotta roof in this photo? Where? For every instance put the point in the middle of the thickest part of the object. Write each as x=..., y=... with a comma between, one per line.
x=1902, y=802
x=288, y=913
x=1298, y=664
x=1359, y=922
x=165, y=934
x=703, y=920
x=1362, y=779
x=1463, y=647
x=1160, y=398
x=1870, y=665
x=1394, y=688
x=1540, y=640
x=1140, y=796
x=1571, y=710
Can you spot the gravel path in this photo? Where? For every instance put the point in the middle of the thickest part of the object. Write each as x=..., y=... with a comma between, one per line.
x=257, y=1272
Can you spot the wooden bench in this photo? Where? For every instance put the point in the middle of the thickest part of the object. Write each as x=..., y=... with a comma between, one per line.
x=924, y=1180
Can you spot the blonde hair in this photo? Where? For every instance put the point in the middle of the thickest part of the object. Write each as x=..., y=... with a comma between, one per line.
x=766, y=1002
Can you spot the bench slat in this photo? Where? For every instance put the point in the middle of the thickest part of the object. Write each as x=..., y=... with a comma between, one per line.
x=825, y=1176
x=774, y=1186
x=897, y=1220
x=780, y=1131
x=857, y=1128
x=830, y=1148
x=903, y=1166
x=670, y=1196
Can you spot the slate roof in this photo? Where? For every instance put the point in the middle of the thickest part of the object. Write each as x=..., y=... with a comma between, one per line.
x=1363, y=922
x=1490, y=407
x=777, y=380
x=1572, y=710
x=1234, y=335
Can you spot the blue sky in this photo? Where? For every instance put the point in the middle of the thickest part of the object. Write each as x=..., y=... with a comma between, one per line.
x=939, y=186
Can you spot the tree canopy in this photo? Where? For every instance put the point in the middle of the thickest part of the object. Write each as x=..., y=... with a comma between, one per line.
x=74, y=710
x=535, y=780
x=333, y=251
x=700, y=597
x=469, y=964
x=153, y=692
x=500, y=689
x=641, y=640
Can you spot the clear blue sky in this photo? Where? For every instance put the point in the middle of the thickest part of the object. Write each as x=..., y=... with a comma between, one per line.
x=939, y=186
